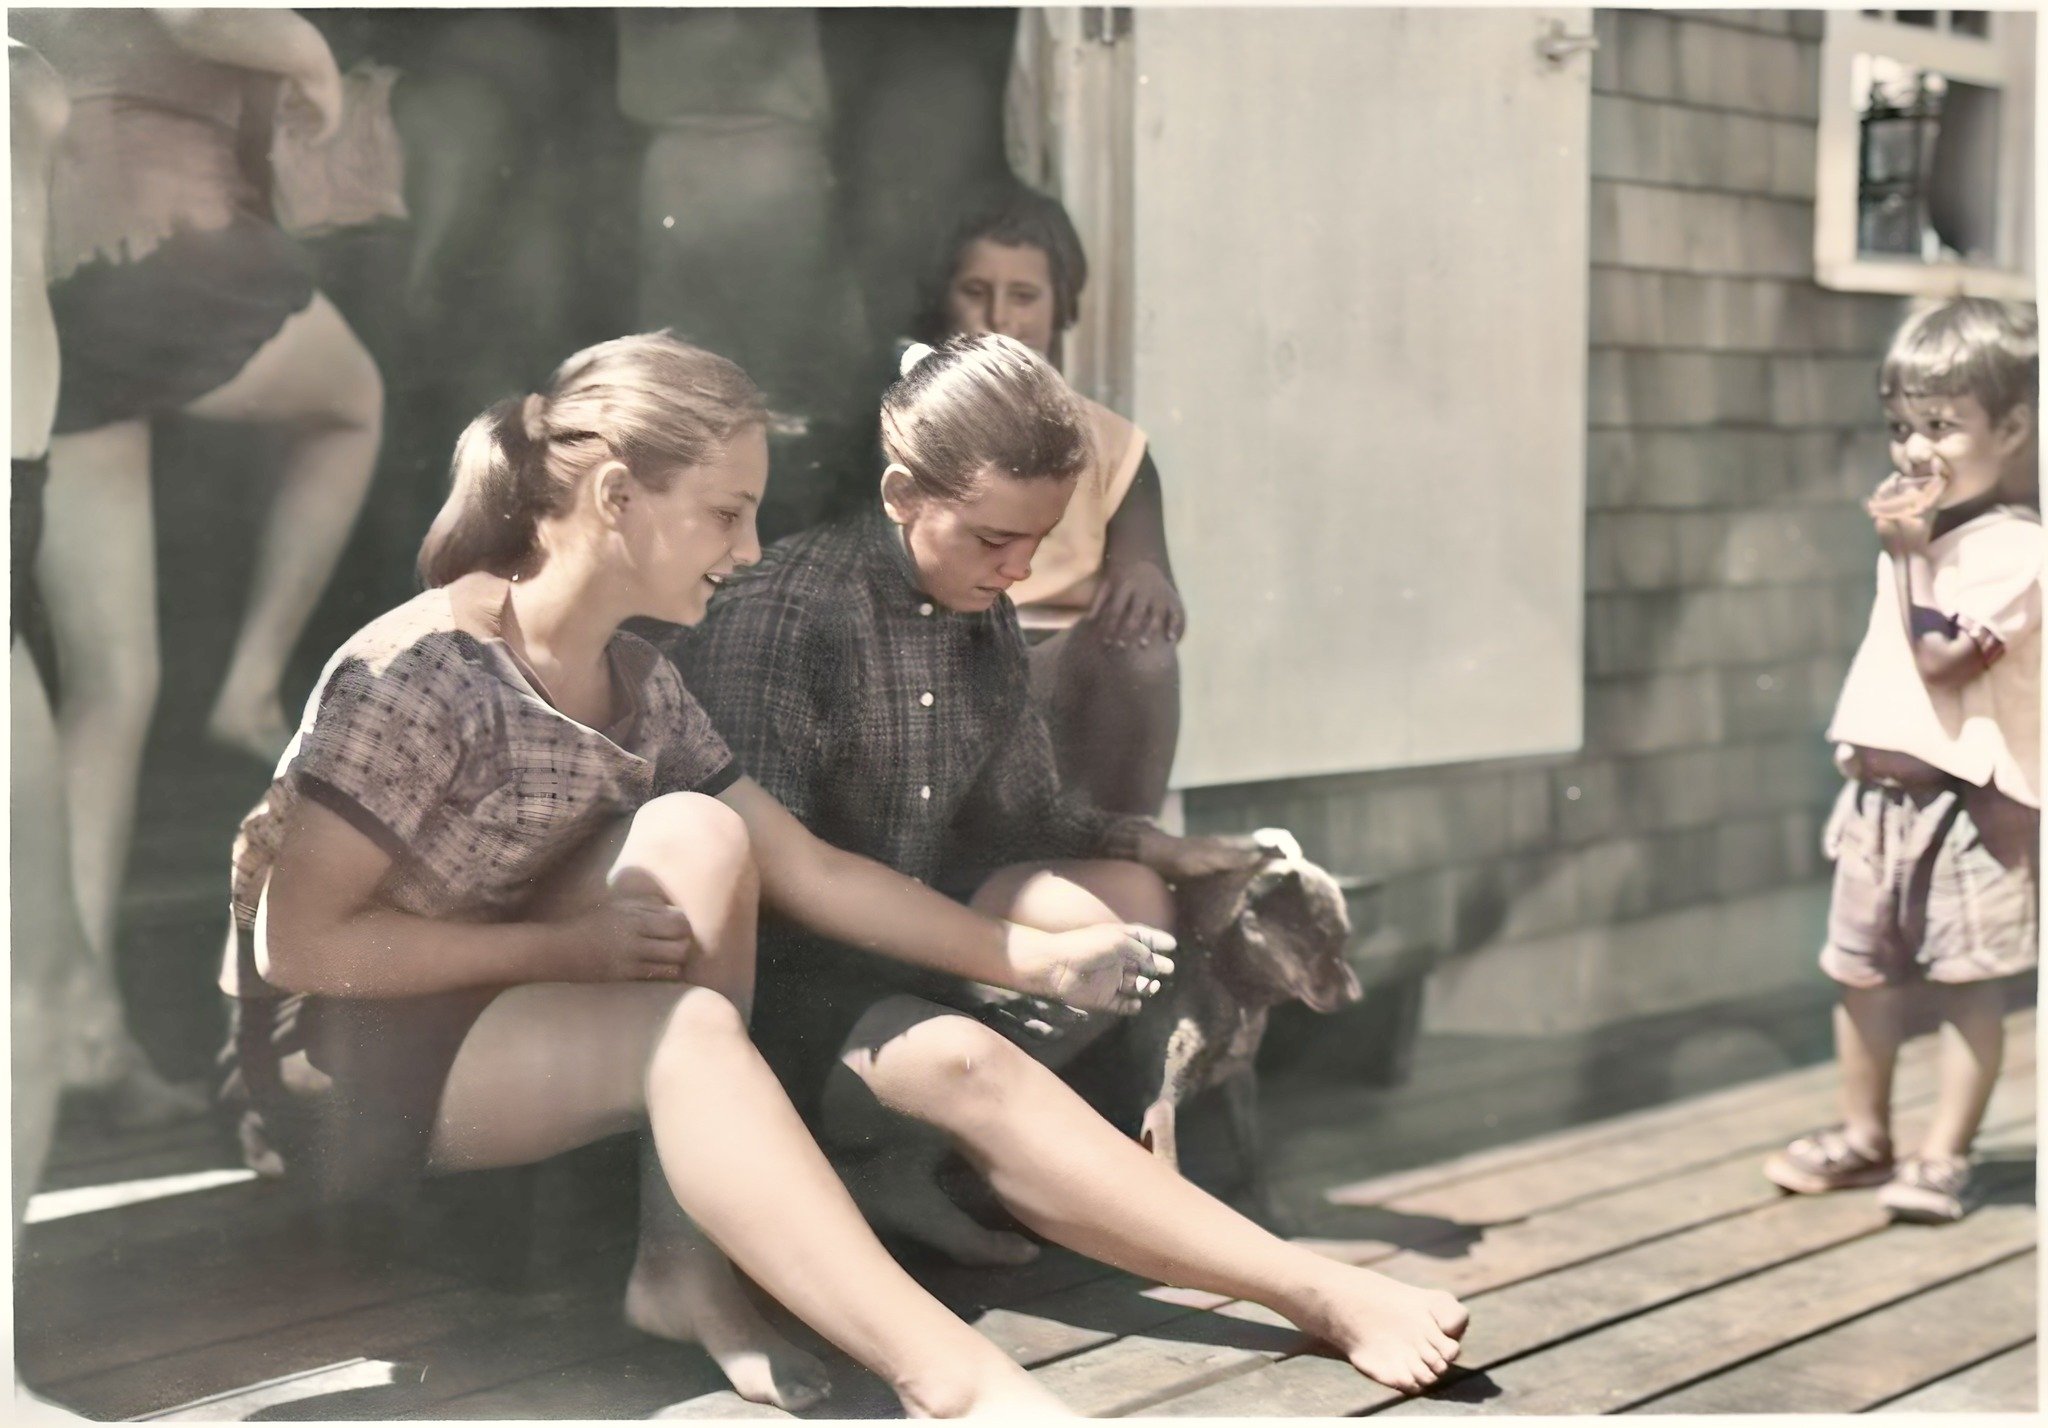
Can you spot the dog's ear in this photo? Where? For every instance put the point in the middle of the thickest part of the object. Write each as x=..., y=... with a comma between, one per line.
x=1294, y=933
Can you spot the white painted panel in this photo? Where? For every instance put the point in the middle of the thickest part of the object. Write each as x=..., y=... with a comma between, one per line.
x=1360, y=254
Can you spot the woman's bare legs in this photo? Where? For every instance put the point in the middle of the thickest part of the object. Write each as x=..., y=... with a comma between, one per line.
x=318, y=382
x=1114, y=714
x=47, y=943
x=692, y=852
x=1072, y=1178
x=892, y=1163
x=547, y=1068
x=97, y=571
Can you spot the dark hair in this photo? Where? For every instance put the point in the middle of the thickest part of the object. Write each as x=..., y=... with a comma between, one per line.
x=655, y=403
x=1974, y=347
x=1020, y=217
x=980, y=404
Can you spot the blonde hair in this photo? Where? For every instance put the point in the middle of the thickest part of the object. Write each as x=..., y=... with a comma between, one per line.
x=653, y=402
x=979, y=404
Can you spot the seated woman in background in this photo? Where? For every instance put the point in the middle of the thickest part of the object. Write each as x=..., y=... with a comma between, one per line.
x=1099, y=608
x=500, y=899
x=871, y=675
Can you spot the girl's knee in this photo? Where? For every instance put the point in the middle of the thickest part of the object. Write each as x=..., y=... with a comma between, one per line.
x=1137, y=894
x=118, y=679
x=694, y=831
x=944, y=1067
x=1154, y=665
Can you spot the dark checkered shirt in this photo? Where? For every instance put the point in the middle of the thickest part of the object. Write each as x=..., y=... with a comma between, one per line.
x=888, y=725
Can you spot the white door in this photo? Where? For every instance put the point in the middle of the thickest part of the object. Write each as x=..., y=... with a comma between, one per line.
x=1356, y=254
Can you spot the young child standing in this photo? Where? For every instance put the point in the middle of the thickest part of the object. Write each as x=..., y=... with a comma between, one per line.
x=1936, y=838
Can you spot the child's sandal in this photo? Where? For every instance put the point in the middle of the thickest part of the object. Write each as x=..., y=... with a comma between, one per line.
x=1826, y=1160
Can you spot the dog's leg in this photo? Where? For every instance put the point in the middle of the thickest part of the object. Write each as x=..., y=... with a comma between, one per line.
x=1241, y=1095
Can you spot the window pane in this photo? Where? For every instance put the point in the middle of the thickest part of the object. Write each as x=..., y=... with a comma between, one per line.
x=1923, y=18
x=1970, y=22
x=1927, y=164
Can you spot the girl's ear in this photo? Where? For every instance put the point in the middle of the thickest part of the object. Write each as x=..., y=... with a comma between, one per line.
x=611, y=491
x=900, y=496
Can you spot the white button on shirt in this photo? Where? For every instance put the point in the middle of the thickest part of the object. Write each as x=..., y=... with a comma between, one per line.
x=925, y=608
x=925, y=793
x=925, y=699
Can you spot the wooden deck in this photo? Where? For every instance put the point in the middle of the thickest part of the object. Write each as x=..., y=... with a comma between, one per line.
x=1634, y=1263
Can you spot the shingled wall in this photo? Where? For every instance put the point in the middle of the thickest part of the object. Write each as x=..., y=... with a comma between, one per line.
x=1732, y=427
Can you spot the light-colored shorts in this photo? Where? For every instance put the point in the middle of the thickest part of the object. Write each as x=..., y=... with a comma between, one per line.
x=1935, y=881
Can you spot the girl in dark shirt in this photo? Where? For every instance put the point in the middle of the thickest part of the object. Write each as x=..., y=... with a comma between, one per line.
x=872, y=676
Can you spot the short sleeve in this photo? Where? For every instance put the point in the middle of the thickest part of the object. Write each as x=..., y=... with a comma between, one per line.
x=693, y=758
x=384, y=741
x=1995, y=591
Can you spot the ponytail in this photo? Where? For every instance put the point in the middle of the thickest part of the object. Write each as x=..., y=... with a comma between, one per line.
x=492, y=514
x=651, y=401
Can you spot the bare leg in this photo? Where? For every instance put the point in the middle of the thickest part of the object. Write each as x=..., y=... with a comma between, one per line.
x=1869, y=1026
x=547, y=1068
x=1972, y=1051
x=97, y=569
x=317, y=380
x=459, y=141
x=892, y=1163
x=46, y=941
x=1114, y=712
x=692, y=852
x=1072, y=1178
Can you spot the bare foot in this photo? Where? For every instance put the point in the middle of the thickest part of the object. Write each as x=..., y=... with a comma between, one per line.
x=256, y=727
x=1393, y=1333
x=1004, y=1390
x=904, y=1199
x=706, y=1306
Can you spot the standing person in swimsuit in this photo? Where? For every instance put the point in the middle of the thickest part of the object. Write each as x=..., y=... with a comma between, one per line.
x=871, y=676
x=46, y=946
x=173, y=294
x=500, y=900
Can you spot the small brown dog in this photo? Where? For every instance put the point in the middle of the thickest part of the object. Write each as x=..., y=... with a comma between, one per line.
x=1249, y=941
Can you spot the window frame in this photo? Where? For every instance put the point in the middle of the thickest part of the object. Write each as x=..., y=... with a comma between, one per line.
x=2003, y=58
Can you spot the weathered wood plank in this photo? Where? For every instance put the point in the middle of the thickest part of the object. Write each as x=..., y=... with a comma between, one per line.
x=631, y=1384
x=723, y=1404
x=463, y=1336
x=1134, y=1373
x=2009, y=1383
x=1880, y=1356
x=1639, y=1357
x=1642, y=1154
x=1916, y=1060
x=1586, y=1230
x=1533, y=1312
x=1333, y=1133
x=76, y=1320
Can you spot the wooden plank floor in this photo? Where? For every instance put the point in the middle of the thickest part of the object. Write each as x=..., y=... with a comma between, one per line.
x=1632, y=1262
